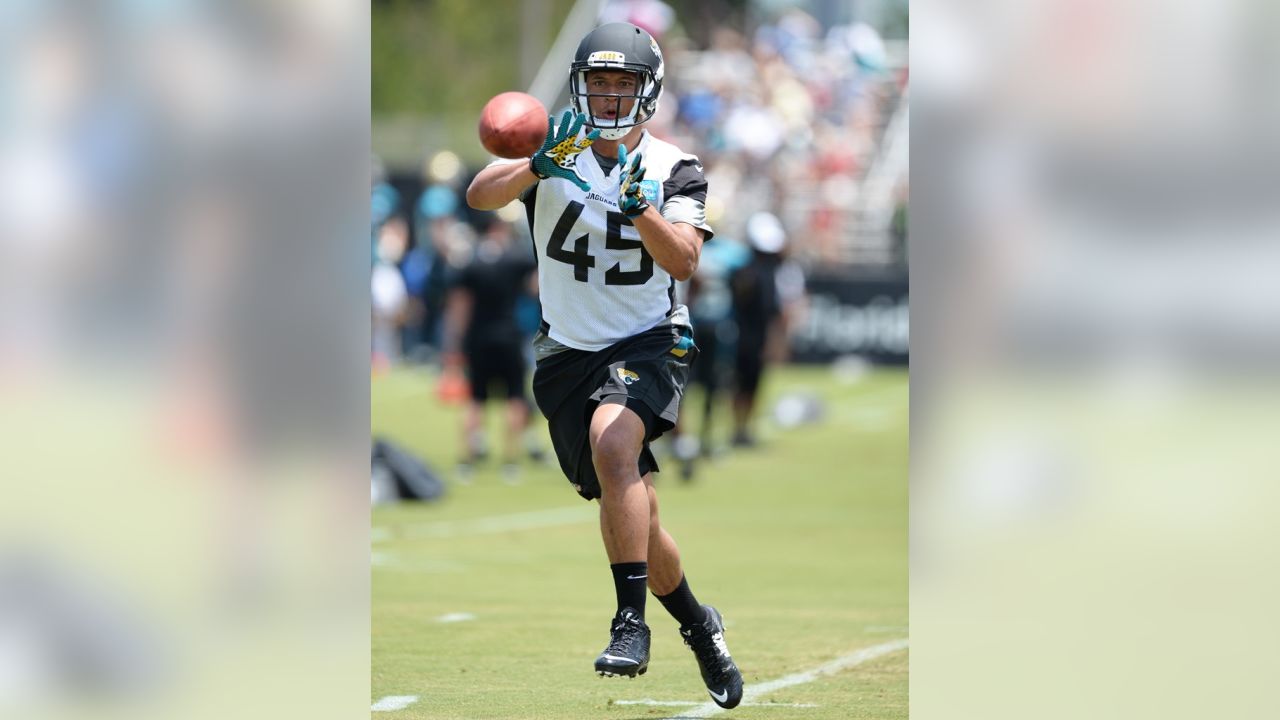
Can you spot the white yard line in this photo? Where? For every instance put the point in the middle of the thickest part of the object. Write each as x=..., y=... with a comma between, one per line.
x=391, y=562
x=534, y=520
x=455, y=617
x=392, y=703
x=844, y=662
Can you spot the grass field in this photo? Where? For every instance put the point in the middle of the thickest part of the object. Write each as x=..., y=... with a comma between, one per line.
x=494, y=602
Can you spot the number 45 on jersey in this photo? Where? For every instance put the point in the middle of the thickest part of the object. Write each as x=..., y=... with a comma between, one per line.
x=580, y=256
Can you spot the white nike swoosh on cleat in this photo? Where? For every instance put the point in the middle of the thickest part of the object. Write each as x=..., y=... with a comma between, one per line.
x=621, y=659
x=637, y=577
x=719, y=697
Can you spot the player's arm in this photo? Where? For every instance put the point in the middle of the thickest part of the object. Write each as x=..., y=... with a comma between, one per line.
x=499, y=184
x=676, y=247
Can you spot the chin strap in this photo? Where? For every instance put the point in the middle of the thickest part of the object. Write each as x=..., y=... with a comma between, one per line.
x=615, y=133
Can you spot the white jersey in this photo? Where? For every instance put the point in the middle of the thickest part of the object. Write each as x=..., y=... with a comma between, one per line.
x=597, y=283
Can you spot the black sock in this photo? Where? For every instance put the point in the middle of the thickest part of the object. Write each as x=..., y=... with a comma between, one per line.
x=631, y=583
x=682, y=605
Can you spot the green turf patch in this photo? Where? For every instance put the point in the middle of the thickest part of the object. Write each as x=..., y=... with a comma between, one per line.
x=801, y=543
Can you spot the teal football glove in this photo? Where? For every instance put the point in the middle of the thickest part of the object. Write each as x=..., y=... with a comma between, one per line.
x=558, y=156
x=631, y=199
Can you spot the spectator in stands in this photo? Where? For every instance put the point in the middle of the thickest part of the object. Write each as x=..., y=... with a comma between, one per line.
x=655, y=16
x=788, y=118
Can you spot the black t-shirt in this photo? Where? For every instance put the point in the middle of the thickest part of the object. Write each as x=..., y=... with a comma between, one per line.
x=495, y=284
x=755, y=295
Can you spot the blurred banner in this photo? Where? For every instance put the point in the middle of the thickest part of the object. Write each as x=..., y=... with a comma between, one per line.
x=865, y=316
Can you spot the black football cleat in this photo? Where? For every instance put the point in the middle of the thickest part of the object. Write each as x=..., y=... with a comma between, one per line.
x=628, y=650
x=721, y=676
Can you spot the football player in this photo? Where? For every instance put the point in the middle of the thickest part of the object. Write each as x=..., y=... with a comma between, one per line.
x=617, y=218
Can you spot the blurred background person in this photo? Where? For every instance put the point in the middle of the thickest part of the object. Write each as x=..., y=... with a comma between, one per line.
x=389, y=294
x=710, y=305
x=483, y=337
x=766, y=294
x=439, y=234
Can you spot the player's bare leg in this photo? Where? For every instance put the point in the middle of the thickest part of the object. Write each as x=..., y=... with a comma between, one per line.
x=700, y=625
x=617, y=436
x=665, y=572
x=663, y=555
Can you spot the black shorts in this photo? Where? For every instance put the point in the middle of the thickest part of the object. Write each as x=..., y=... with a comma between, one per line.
x=647, y=373
x=749, y=365
x=503, y=364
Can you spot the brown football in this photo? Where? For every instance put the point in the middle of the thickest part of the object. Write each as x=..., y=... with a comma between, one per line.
x=513, y=125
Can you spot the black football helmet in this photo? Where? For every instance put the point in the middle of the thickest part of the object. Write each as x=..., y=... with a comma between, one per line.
x=618, y=46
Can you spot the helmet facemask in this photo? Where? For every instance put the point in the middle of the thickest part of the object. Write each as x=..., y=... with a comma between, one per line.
x=647, y=90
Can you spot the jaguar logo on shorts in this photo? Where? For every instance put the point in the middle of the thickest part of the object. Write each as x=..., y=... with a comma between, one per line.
x=626, y=376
